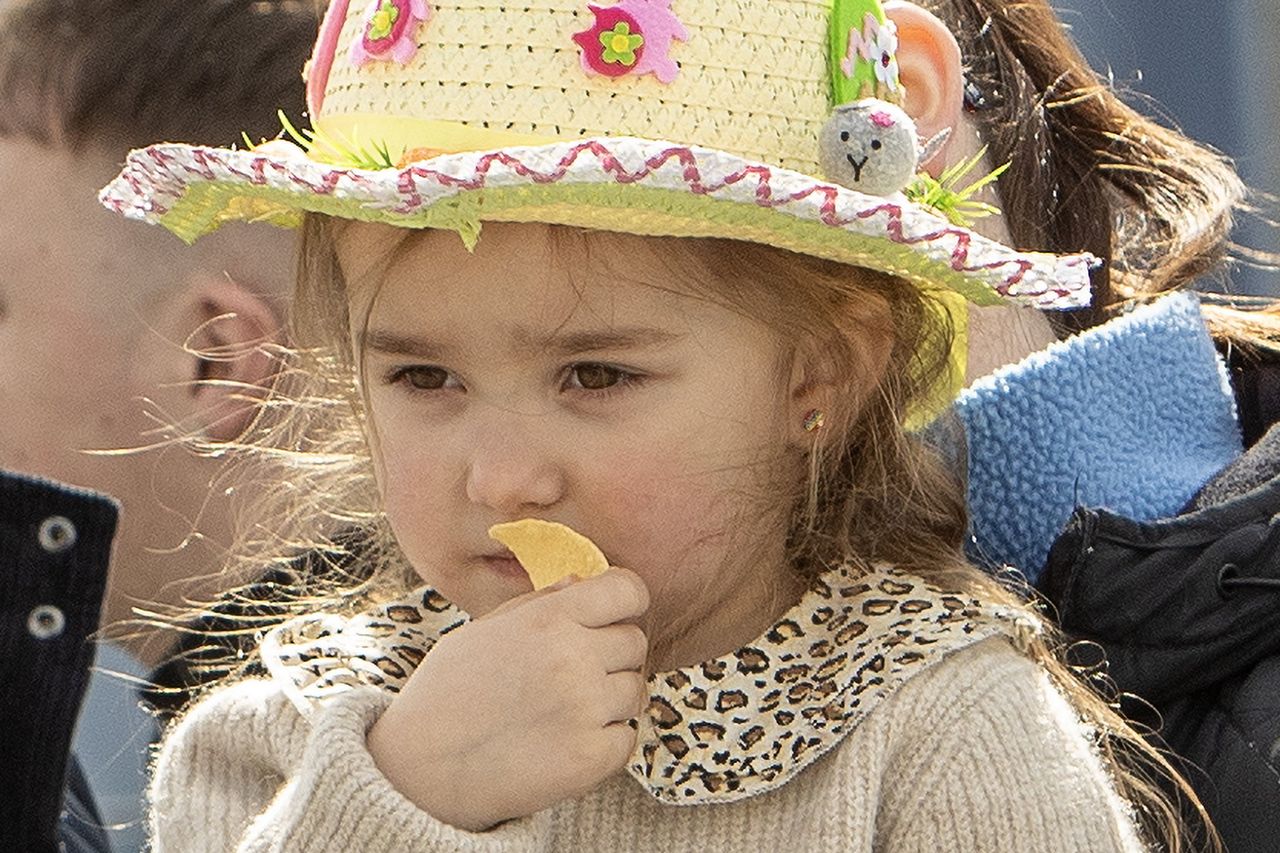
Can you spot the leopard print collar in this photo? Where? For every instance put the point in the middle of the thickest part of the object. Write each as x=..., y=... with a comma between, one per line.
x=723, y=730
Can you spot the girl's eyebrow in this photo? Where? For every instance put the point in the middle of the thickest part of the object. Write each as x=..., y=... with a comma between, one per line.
x=387, y=342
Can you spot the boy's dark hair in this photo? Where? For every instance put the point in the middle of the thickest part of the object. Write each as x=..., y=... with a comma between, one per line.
x=118, y=74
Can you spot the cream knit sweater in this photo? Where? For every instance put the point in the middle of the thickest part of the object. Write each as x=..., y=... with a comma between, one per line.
x=974, y=752
x=878, y=714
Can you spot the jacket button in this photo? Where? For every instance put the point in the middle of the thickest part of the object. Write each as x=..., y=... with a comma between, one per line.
x=57, y=534
x=46, y=622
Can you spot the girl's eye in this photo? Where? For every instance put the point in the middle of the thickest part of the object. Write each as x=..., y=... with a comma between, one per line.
x=876, y=145
x=587, y=378
x=844, y=136
x=600, y=379
x=594, y=377
x=420, y=377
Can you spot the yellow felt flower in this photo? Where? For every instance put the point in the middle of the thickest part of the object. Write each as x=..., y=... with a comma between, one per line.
x=383, y=20
x=620, y=44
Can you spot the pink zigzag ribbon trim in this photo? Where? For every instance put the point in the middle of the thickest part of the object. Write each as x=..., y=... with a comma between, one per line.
x=764, y=198
x=152, y=175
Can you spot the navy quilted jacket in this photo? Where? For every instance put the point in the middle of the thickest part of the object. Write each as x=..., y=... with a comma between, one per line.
x=55, y=542
x=1188, y=610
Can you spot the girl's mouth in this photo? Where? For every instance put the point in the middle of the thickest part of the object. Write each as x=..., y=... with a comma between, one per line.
x=505, y=565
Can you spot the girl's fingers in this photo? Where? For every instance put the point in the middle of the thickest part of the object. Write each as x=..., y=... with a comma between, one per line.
x=617, y=741
x=620, y=647
x=615, y=596
x=625, y=696
x=518, y=601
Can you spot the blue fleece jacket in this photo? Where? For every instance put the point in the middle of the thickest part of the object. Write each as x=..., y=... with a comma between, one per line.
x=1133, y=416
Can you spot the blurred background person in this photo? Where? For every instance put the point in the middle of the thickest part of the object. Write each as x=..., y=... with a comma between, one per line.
x=112, y=336
x=1150, y=526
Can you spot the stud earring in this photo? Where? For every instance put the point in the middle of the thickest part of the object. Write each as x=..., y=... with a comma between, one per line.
x=814, y=420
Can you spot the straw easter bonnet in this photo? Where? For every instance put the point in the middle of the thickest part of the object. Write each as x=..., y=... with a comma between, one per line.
x=696, y=118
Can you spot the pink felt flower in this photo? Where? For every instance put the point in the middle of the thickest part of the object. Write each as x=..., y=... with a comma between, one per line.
x=613, y=45
x=632, y=37
x=390, y=31
x=882, y=119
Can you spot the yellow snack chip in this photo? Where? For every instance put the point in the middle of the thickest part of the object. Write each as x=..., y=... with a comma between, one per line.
x=549, y=551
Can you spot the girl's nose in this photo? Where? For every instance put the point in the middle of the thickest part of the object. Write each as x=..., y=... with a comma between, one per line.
x=513, y=476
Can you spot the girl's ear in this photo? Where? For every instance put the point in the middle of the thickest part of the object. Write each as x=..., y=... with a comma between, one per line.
x=931, y=71
x=808, y=394
x=820, y=383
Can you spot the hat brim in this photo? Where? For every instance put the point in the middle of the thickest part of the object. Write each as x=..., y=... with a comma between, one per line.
x=622, y=184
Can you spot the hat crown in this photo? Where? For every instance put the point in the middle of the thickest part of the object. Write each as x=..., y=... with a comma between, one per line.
x=751, y=77
x=652, y=117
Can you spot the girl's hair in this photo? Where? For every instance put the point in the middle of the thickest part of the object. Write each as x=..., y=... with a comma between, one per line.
x=871, y=491
x=1088, y=172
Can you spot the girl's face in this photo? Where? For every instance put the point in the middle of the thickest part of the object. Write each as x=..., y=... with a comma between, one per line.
x=572, y=377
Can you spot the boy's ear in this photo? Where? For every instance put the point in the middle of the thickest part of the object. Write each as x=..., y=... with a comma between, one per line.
x=931, y=71
x=223, y=328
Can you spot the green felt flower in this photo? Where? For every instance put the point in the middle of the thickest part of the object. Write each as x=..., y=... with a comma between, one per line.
x=383, y=21
x=620, y=44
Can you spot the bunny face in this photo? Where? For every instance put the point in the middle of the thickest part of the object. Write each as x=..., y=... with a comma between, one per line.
x=869, y=146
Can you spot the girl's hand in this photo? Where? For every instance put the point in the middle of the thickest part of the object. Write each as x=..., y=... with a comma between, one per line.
x=522, y=708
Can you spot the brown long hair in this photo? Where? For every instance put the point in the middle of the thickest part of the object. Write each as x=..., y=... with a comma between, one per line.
x=1089, y=172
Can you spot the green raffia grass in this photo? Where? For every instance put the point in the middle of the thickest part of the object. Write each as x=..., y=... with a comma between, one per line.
x=336, y=151
x=957, y=205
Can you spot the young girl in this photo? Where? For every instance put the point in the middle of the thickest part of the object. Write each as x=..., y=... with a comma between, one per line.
x=684, y=341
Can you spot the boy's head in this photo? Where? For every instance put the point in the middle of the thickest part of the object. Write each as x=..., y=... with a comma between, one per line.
x=107, y=326
x=112, y=75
